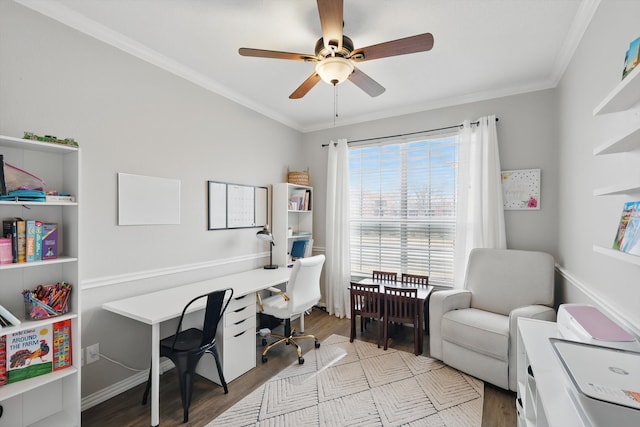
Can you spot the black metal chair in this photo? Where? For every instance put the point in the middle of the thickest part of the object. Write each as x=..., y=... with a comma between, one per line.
x=186, y=348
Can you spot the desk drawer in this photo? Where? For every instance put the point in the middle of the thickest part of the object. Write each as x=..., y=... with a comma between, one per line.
x=241, y=301
x=244, y=324
x=240, y=309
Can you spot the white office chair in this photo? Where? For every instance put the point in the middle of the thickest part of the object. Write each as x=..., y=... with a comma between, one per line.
x=475, y=329
x=302, y=293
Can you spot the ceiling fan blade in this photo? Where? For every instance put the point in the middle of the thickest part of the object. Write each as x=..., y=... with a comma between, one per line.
x=305, y=86
x=366, y=83
x=331, y=20
x=413, y=44
x=261, y=53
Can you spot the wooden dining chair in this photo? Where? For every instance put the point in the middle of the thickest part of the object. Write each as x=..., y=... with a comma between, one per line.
x=365, y=302
x=401, y=305
x=418, y=281
x=385, y=276
x=415, y=279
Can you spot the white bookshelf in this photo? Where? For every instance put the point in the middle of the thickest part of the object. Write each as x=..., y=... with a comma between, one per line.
x=51, y=399
x=285, y=217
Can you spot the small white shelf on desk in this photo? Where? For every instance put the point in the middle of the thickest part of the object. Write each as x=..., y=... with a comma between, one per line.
x=622, y=256
x=623, y=96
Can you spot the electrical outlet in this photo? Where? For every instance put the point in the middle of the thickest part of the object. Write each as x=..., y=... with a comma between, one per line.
x=93, y=353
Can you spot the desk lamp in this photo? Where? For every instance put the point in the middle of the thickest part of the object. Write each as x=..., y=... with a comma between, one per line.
x=265, y=234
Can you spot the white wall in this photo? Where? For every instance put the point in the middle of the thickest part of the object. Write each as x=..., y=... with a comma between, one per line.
x=586, y=220
x=526, y=138
x=129, y=116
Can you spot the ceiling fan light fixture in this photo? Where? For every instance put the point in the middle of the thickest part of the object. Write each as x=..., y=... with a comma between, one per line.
x=334, y=69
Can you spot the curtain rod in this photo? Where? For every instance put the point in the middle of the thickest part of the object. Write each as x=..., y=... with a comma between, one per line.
x=411, y=133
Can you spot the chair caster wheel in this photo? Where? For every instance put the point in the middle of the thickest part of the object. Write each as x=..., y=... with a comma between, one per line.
x=300, y=360
x=317, y=344
x=264, y=359
x=264, y=342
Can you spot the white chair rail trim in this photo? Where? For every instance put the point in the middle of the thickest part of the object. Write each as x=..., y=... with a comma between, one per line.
x=149, y=274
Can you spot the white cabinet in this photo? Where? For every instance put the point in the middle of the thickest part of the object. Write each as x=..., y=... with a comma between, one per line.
x=52, y=399
x=236, y=341
x=543, y=396
x=624, y=96
x=292, y=220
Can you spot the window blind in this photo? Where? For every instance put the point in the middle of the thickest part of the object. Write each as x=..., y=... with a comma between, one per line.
x=403, y=207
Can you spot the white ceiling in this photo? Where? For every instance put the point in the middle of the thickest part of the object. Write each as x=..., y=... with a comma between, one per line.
x=483, y=49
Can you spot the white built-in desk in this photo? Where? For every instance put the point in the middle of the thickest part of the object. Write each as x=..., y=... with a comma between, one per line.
x=544, y=396
x=157, y=307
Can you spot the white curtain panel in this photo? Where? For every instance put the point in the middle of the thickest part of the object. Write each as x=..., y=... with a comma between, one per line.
x=338, y=263
x=480, y=214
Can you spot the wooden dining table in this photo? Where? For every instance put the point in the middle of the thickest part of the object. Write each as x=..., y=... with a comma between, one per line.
x=423, y=296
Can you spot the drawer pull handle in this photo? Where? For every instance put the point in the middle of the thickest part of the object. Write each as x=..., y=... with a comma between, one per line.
x=240, y=309
x=240, y=321
x=239, y=298
x=241, y=333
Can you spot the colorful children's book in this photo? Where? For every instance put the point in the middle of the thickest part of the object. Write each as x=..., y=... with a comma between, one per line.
x=49, y=240
x=29, y=353
x=628, y=235
x=6, y=250
x=38, y=242
x=31, y=240
x=38, y=351
x=61, y=344
x=22, y=239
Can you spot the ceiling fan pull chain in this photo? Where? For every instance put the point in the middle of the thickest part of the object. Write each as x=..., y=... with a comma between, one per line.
x=335, y=104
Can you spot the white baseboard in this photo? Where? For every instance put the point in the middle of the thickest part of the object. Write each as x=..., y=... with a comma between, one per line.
x=120, y=387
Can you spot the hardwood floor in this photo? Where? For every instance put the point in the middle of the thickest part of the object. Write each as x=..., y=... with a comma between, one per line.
x=209, y=400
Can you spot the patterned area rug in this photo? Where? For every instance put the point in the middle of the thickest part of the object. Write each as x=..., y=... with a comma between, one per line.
x=358, y=384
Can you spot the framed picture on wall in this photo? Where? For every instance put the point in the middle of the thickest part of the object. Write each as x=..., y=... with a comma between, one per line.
x=521, y=189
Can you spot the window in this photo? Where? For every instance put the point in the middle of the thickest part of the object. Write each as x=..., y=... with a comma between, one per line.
x=403, y=207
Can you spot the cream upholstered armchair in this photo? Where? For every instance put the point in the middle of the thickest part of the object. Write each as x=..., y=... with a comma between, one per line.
x=475, y=329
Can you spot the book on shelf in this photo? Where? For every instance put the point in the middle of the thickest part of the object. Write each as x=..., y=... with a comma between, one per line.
x=66, y=198
x=31, y=240
x=22, y=239
x=38, y=241
x=3, y=185
x=297, y=200
x=632, y=57
x=10, y=231
x=38, y=351
x=627, y=237
x=6, y=250
x=301, y=248
x=15, y=228
x=49, y=240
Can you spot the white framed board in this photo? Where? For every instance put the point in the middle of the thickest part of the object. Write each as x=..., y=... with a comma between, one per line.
x=236, y=205
x=521, y=189
x=148, y=200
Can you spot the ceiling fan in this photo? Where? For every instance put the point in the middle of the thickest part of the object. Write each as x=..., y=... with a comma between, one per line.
x=335, y=55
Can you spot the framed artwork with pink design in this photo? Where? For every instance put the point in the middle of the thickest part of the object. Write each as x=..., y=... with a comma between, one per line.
x=521, y=189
